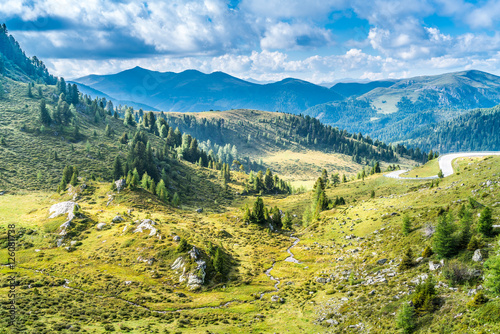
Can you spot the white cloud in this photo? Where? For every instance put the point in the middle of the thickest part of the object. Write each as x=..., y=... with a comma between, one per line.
x=294, y=36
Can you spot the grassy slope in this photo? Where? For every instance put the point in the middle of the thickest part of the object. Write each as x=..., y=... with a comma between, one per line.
x=108, y=258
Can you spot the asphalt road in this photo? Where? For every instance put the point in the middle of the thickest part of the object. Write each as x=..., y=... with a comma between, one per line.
x=444, y=165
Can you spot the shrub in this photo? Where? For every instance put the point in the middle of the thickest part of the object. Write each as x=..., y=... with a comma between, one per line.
x=427, y=252
x=406, y=227
x=406, y=319
x=424, y=297
x=478, y=300
x=407, y=261
x=456, y=272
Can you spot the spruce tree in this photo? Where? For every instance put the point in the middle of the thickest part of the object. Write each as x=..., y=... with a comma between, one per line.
x=407, y=260
x=287, y=221
x=492, y=274
x=406, y=319
x=258, y=215
x=117, y=168
x=44, y=113
x=406, y=227
x=444, y=243
x=74, y=180
x=176, y=200
x=219, y=261
x=485, y=223
x=268, y=180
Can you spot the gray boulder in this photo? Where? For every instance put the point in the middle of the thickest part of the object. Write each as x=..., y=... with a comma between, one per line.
x=120, y=184
x=100, y=226
x=177, y=238
x=381, y=261
x=434, y=266
x=199, y=210
x=118, y=219
x=477, y=257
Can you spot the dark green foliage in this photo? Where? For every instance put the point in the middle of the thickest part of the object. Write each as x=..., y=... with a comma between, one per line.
x=335, y=179
x=219, y=261
x=475, y=243
x=258, y=183
x=372, y=194
x=424, y=298
x=287, y=221
x=162, y=192
x=44, y=113
x=275, y=218
x=74, y=179
x=440, y=174
x=117, y=168
x=407, y=260
x=406, y=319
x=183, y=246
x=176, y=200
x=456, y=272
x=465, y=233
x=13, y=57
x=406, y=226
x=478, y=300
x=485, y=223
x=427, y=252
x=258, y=216
x=492, y=274
x=444, y=243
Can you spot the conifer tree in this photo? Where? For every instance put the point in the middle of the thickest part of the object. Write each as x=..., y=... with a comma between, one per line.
x=161, y=191
x=247, y=216
x=344, y=178
x=406, y=319
x=406, y=226
x=117, y=168
x=407, y=260
x=219, y=261
x=268, y=180
x=107, y=131
x=74, y=180
x=44, y=113
x=152, y=187
x=485, y=223
x=176, y=200
x=335, y=179
x=258, y=215
x=444, y=243
x=287, y=221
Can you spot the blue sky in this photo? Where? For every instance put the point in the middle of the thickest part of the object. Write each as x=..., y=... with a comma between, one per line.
x=316, y=40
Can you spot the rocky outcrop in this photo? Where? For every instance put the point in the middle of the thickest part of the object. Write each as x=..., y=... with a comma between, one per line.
x=117, y=219
x=195, y=278
x=62, y=209
x=120, y=184
x=146, y=224
x=477, y=257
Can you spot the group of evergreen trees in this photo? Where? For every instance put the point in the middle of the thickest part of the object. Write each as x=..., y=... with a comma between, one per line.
x=12, y=56
x=268, y=184
x=449, y=238
x=69, y=176
x=259, y=214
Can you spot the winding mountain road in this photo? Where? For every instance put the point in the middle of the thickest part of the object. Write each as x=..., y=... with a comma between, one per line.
x=444, y=164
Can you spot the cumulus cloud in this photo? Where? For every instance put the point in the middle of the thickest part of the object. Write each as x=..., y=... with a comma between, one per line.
x=260, y=39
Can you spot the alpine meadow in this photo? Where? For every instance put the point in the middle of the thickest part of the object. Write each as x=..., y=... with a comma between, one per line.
x=249, y=167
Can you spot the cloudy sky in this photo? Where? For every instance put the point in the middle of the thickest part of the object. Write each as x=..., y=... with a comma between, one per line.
x=317, y=40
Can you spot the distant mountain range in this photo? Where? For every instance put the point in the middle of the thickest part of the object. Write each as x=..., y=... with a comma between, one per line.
x=388, y=109
x=193, y=91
